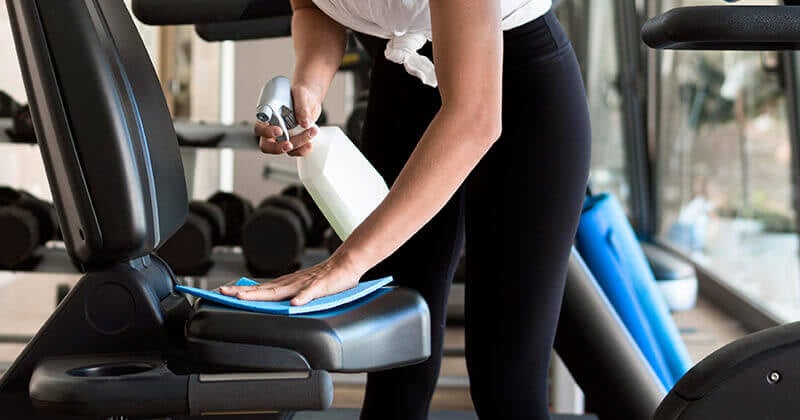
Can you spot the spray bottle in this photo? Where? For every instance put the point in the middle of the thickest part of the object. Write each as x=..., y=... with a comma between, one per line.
x=342, y=182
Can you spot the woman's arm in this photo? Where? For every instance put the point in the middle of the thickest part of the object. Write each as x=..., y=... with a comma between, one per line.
x=319, y=44
x=468, y=51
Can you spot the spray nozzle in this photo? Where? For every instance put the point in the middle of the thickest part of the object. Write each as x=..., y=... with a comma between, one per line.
x=275, y=106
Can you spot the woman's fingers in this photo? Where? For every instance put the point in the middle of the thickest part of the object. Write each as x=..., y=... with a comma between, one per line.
x=271, y=293
x=302, y=150
x=271, y=146
x=267, y=142
x=265, y=130
x=301, y=287
x=314, y=290
x=296, y=143
x=301, y=139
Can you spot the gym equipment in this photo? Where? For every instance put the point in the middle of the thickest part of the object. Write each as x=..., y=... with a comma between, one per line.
x=236, y=210
x=21, y=130
x=271, y=27
x=203, y=134
x=123, y=342
x=27, y=223
x=755, y=376
x=156, y=12
x=343, y=183
x=188, y=251
x=274, y=237
x=8, y=106
x=600, y=353
x=216, y=221
x=319, y=225
x=609, y=246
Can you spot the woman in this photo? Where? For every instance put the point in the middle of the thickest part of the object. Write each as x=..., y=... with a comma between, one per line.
x=493, y=143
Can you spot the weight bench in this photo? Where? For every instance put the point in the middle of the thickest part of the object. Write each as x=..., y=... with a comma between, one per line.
x=124, y=342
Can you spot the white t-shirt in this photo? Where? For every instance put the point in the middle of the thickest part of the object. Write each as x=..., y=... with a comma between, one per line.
x=407, y=25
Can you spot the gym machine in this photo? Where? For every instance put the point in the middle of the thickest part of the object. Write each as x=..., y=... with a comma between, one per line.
x=123, y=342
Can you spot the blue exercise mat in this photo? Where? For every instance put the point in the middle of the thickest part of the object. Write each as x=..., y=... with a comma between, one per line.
x=284, y=307
x=622, y=239
x=609, y=246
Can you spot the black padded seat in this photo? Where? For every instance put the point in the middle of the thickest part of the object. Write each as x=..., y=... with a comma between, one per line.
x=384, y=330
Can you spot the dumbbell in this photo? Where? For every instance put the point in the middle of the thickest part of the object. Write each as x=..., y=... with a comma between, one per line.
x=274, y=237
x=209, y=223
x=316, y=234
x=188, y=251
x=26, y=223
x=8, y=106
x=22, y=128
x=236, y=210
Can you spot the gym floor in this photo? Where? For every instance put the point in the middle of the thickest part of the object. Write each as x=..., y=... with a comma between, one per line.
x=26, y=300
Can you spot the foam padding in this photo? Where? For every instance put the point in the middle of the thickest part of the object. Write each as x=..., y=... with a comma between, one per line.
x=610, y=248
x=284, y=307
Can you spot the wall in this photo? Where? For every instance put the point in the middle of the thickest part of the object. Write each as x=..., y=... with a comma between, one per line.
x=10, y=77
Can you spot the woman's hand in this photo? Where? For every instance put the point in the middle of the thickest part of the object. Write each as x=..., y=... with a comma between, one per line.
x=307, y=108
x=334, y=275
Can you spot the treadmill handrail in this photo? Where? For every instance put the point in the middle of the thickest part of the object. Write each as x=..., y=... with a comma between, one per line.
x=725, y=28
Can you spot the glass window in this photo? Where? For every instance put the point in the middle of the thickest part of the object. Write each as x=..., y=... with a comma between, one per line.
x=724, y=170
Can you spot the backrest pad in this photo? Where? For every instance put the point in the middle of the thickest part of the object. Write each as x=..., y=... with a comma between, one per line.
x=104, y=130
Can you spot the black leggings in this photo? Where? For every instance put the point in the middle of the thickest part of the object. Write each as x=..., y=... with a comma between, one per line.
x=518, y=211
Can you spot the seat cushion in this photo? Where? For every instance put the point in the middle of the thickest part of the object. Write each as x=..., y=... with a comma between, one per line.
x=387, y=329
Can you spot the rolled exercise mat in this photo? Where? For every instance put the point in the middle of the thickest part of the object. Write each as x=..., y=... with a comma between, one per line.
x=592, y=240
x=618, y=261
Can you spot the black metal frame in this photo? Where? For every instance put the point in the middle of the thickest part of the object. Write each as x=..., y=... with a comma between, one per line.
x=631, y=82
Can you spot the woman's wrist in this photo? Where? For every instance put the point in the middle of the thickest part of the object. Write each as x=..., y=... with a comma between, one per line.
x=352, y=258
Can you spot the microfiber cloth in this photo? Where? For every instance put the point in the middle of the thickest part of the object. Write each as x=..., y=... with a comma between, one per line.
x=284, y=307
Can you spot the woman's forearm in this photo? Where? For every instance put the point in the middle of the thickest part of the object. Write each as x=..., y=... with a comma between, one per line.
x=319, y=44
x=440, y=163
x=468, y=52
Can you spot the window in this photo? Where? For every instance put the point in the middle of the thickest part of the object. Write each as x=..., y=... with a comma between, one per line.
x=724, y=170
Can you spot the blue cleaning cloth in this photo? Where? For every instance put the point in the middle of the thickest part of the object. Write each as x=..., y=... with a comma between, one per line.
x=284, y=307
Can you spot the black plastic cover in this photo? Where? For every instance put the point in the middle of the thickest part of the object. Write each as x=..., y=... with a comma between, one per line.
x=133, y=385
x=177, y=12
x=754, y=377
x=104, y=130
x=272, y=27
x=718, y=366
x=725, y=28
x=387, y=329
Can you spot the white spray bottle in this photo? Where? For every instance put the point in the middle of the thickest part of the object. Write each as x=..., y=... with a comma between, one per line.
x=342, y=182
